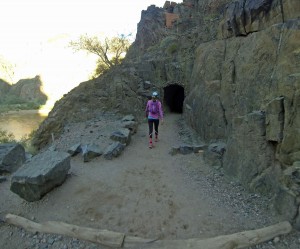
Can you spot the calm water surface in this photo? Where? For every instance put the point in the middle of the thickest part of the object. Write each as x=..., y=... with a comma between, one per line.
x=20, y=123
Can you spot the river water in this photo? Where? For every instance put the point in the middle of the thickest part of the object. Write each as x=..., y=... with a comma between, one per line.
x=21, y=123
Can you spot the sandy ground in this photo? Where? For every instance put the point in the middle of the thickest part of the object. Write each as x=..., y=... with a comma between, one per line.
x=144, y=192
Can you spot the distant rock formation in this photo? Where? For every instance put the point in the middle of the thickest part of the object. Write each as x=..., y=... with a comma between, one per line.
x=27, y=90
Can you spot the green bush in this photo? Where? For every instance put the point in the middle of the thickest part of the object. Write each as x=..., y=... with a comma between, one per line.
x=17, y=107
x=25, y=141
x=12, y=100
x=6, y=137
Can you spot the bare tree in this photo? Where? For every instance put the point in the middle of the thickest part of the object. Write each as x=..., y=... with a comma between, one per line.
x=110, y=51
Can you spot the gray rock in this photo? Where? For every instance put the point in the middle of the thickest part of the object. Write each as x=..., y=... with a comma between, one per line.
x=75, y=149
x=114, y=150
x=199, y=148
x=131, y=125
x=182, y=149
x=213, y=156
x=245, y=16
x=147, y=85
x=91, y=151
x=44, y=172
x=123, y=136
x=12, y=156
x=286, y=203
x=185, y=149
x=128, y=118
x=174, y=150
x=28, y=156
x=3, y=179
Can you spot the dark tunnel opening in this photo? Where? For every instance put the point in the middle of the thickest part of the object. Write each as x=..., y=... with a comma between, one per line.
x=174, y=97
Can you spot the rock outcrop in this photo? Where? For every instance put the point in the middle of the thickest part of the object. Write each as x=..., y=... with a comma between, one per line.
x=239, y=65
x=29, y=90
x=25, y=90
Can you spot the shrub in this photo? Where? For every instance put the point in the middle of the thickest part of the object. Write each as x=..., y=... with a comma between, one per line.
x=6, y=137
x=25, y=141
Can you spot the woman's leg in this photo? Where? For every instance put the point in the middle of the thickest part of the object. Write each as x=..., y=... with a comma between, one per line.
x=156, y=124
x=150, y=124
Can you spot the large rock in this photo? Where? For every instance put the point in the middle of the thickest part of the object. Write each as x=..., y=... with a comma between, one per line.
x=12, y=156
x=213, y=155
x=114, y=150
x=122, y=135
x=91, y=151
x=129, y=122
x=286, y=203
x=44, y=172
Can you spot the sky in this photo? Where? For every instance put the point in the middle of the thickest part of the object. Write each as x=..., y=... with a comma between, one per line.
x=35, y=34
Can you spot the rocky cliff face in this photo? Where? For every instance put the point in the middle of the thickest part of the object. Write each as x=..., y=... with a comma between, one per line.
x=244, y=91
x=25, y=90
x=238, y=63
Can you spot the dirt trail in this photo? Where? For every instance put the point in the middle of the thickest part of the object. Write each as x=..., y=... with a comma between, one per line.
x=144, y=192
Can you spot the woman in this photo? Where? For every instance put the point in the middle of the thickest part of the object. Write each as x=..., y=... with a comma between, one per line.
x=154, y=113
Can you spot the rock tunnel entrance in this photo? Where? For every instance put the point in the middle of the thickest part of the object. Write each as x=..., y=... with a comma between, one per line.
x=174, y=97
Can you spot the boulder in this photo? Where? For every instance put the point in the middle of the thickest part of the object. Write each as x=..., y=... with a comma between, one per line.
x=75, y=149
x=213, y=156
x=43, y=173
x=286, y=203
x=114, y=150
x=91, y=151
x=131, y=125
x=12, y=156
x=123, y=136
x=129, y=117
x=185, y=149
x=182, y=149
